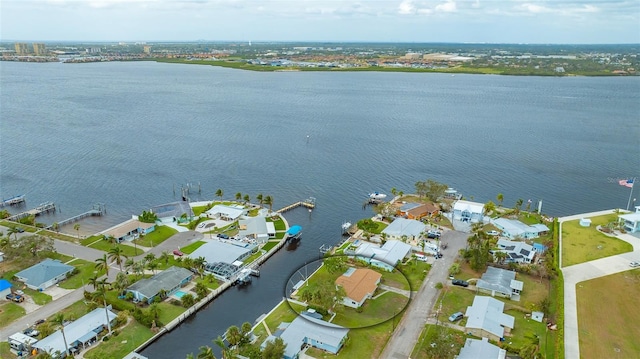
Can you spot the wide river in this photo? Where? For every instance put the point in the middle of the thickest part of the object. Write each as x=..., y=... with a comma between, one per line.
x=128, y=134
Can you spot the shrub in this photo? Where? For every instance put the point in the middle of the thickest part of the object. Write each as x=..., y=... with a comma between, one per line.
x=439, y=285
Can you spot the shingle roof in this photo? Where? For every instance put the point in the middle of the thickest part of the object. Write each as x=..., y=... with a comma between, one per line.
x=43, y=272
x=167, y=279
x=359, y=283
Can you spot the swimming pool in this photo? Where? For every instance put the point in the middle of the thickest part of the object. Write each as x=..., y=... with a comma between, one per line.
x=179, y=294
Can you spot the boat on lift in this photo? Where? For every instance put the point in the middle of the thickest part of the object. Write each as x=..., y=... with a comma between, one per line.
x=377, y=196
x=294, y=233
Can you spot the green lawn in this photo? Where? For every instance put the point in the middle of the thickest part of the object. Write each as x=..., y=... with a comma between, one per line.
x=252, y=257
x=10, y=312
x=5, y=350
x=169, y=312
x=380, y=226
x=211, y=285
x=415, y=272
x=75, y=310
x=119, y=346
x=427, y=336
x=159, y=235
x=279, y=225
x=374, y=311
x=101, y=244
x=38, y=297
x=269, y=245
x=188, y=249
x=86, y=270
x=361, y=343
x=583, y=244
x=454, y=299
x=197, y=210
x=525, y=327
x=284, y=312
x=608, y=316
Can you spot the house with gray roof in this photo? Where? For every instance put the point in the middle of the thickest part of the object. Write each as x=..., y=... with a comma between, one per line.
x=44, y=274
x=224, y=258
x=256, y=228
x=385, y=257
x=306, y=330
x=500, y=282
x=402, y=228
x=485, y=318
x=516, y=251
x=226, y=213
x=78, y=334
x=476, y=348
x=512, y=228
x=171, y=212
x=169, y=281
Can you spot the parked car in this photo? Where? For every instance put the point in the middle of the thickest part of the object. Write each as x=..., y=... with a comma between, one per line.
x=634, y=264
x=493, y=233
x=433, y=234
x=456, y=316
x=178, y=253
x=39, y=321
x=223, y=236
x=460, y=282
x=31, y=332
x=14, y=297
x=20, y=230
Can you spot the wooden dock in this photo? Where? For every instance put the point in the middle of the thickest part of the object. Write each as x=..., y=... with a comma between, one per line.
x=42, y=208
x=98, y=210
x=309, y=203
x=13, y=200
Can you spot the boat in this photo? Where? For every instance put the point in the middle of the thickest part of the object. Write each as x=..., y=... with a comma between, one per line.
x=377, y=195
x=294, y=233
x=13, y=200
x=345, y=227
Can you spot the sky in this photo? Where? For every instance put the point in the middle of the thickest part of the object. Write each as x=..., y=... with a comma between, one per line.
x=474, y=21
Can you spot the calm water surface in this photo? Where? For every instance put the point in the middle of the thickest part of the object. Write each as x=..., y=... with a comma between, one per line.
x=127, y=134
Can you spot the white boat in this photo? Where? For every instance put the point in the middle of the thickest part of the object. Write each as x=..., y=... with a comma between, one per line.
x=377, y=195
x=346, y=226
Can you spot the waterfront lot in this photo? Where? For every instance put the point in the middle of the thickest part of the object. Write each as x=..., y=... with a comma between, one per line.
x=608, y=316
x=583, y=244
x=129, y=338
x=159, y=235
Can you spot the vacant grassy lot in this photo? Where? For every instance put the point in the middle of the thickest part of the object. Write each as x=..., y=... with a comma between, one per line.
x=10, y=312
x=454, y=299
x=608, y=316
x=428, y=335
x=188, y=249
x=415, y=272
x=86, y=270
x=119, y=346
x=99, y=243
x=159, y=235
x=284, y=312
x=583, y=244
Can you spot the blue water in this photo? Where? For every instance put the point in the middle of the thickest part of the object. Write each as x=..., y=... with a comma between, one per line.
x=179, y=294
x=129, y=134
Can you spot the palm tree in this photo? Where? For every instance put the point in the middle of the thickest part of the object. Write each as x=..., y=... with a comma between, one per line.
x=500, y=257
x=102, y=290
x=268, y=200
x=121, y=282
x=198, y=263
x=102, y=264
x=259, y=199
x=77, y=228
x=206, y=352
x=247, y=199
x=153, y=266
x=227, y=353
x=128, y=264
x=14, y=231
x=238, y=196
x=219, y=193
x=233, y=335
x=109, y=238
x=117, y=255
x=94, y=281
x=164, y=257
x=150, y=257
x=59, y=319
x=55, y=226
x=394, y=191
x=518, y=205
x=500, y=198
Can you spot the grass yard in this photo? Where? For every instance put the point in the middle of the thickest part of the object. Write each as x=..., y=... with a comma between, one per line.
x=361, y=343
x=428, y=335
x=5, y=350
x=454, y=299
x=9, y=312
x=524, y=328
x=608, y=316
x=197, y=210
x=188, y=249
x=375, y=311
x=119, y=346
x=159, y=235
x=38, y=297
x=279, y=225
x=169, y=312
x=252, y=257
x=533, y=291
x=86, y=271
x=380, y=226
x=269, y=245
x=284, y=312
x=415, y=272
x=75, y=310
x=583, y=244
x=99, y=243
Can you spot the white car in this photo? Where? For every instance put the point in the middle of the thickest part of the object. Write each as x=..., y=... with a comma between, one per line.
x=634, y=264
x=493, y=233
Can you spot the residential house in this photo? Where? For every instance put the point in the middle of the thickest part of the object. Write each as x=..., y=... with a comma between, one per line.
x=467, y=211
x=485, y=318
x=481, y=348
x=517, y=252
x=44, y=274
x=256, y=228
x=173, y=212
x=631, y=221
x=386, y=257
x=417, y=210
x=404, y=229
x=129, y=230
x=5, y=288
x=513, y=229
x=224, y=258
x=167, y=281
x=306, y=330
x=500, y=282
x=359, y=285
x=226, y=213
x=539, y=248
x=78, y=334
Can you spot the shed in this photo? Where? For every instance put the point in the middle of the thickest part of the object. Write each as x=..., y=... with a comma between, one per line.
x=585, y=222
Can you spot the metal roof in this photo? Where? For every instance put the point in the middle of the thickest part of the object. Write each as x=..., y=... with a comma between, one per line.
x=486, y=313
x=43, y=272
x=476, y=348
x=405, y=227
x=167, y=279
x=307, y=327
x=225, y=252
x=497, y=279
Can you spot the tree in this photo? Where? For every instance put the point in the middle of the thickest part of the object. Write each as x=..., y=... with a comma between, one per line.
x=500, y=198
x=121, y=282
x=500, y=257
x=421, y=188
x=335, y=264
x=260, y=199
x=227, y=353
x=201, y=290
x=233, y=335
x=153, y=265
x=518, y=205
x=238, y=196
x=531, y=349
x=148, y=217
x=435, y=190
x=77, y=228
x=219, y=193
x=528, y=207
x=149, y=257
x=245, y=329
x=116, y=254
x=268, y=200
x=247, y=199
x=489, y=208
x=442, y=344
x=274, y=349
x=188, y=300
x=102, y=264
x=154, y=311
x=164, y=257
x=206, y=352
x=394, y=191
x=55, y=226
x=59, y=319
x=454, y=269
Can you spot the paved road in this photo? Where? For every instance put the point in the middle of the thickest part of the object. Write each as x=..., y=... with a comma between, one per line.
x=78, y=251
x=585, y=271
x=407, y=333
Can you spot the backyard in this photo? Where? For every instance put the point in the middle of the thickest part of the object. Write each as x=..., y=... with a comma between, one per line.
x=9, y=312
x=159, y=235
x=428, y=336
x=119, y=346
x=608, y=316
x=374, y=311
x=583, y=244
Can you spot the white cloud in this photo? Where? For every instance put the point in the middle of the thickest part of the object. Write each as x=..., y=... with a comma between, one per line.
x=406, y=8
x=449, y=6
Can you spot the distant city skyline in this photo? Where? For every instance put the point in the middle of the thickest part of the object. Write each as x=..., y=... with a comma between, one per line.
x=462, y=21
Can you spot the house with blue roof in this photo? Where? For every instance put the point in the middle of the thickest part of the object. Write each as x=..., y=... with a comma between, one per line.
x=5, y=288
x=44, y=274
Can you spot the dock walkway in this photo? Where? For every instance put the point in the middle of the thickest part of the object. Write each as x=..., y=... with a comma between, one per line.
x=42, y=208
x=309, y=203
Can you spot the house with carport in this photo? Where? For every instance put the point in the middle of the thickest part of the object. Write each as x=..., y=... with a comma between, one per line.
x=485, y=318
x=386, y=256
x=359, y=285
x=166, y=282
x=44, y=274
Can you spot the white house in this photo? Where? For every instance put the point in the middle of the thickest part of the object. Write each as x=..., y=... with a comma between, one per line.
x=631, y=221
x=402, y=228
x=226, y=213
x=129, y=230
x=385, y=257
x=517, y=252
x=468, y=211
x=512, y=228
x=481, y=348
x=257, y=228
x=500, y=282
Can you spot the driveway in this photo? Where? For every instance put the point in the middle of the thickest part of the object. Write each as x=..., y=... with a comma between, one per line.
x=406, y=335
